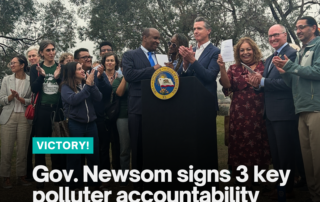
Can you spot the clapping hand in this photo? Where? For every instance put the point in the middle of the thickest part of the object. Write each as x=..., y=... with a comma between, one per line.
x=90, y=78
x=41, y=71
x=279, y=63
x=15, y=94
x=56, y=73
x=254, y=79
x=187, y=54
x=21, y=99
x=100, y=71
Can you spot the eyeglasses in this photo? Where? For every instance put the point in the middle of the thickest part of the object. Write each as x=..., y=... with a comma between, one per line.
x=86, y=57
x=276, y=35
x=12, y=63
x=300, y=27
x=106, y=50
x=173, y=44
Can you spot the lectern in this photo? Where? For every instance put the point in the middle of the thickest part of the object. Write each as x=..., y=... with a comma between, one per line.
x=179, y=132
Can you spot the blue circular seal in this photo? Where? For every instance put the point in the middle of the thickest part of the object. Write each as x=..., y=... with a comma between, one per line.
x=164, y=83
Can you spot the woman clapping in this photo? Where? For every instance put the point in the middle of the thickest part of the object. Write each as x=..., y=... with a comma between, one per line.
x=15, y=97
x=78, y=96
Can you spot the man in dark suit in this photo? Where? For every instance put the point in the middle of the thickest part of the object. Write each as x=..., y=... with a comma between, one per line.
x=137, y=65
x=201, y=61
x=279, y=111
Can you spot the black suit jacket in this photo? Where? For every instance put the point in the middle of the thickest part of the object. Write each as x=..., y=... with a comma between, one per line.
x=206, y=69
x=136, y=67
x=278, y=105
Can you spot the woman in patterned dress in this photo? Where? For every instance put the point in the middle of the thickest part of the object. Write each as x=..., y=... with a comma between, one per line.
x=248, y=142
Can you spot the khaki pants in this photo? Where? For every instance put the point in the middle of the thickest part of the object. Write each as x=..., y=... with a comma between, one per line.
x=309, y=133
x=17, y=129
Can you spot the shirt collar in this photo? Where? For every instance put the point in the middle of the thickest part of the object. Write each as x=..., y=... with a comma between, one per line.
x=204, y=45
x=310, y=42
x=145, y=50
x=279, y=50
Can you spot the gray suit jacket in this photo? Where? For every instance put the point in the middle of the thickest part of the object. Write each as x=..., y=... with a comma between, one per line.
x=9, y=82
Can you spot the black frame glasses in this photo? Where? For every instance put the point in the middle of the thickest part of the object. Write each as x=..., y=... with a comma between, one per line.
x=301, y=27
x=173, y=44
x=86, y=57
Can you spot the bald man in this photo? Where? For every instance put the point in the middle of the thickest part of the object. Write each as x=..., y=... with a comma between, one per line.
x=279, y=111
x=137, y=65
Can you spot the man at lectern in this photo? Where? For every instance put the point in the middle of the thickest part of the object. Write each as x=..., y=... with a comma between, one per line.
x=139, y=64
x=201, y=61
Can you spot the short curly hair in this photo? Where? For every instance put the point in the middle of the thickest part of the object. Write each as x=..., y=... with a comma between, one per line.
x=64, y=56
x=256, y=51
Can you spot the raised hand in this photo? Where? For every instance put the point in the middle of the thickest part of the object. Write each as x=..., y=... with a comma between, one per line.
x=56, y=73
x=187, y=54
x=41, y=71
x=220, y=62
x=100, y=71
x=90, y=78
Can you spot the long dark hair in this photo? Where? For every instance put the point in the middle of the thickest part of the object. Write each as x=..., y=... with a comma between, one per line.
x=181, y=40
x=69, y=75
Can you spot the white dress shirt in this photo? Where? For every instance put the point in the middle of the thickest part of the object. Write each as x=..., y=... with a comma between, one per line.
x=200, y=49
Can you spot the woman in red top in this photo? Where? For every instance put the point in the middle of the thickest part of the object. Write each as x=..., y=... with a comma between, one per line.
x=248, y=140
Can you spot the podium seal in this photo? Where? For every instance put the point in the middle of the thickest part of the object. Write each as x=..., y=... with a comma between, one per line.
x=164, y=83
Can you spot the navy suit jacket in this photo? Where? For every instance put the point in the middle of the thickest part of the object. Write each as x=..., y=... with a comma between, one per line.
x=136, y=67
x=206, y=69
x=278, y=105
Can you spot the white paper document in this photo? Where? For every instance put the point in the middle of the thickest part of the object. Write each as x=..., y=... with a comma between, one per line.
x=227, y=51
x=162, y=58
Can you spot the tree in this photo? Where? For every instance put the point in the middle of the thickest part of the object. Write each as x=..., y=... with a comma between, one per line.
x=26, y=22
x=122, y=21
x=288, y=12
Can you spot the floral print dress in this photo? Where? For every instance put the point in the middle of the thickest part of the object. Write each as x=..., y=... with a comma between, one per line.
x=248, y=140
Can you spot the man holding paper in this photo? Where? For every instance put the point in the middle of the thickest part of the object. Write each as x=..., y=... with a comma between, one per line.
x=201, y=61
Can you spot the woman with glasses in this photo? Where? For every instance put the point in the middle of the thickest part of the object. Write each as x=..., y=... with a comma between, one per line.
x=45, y=79
x=15, y=96
x=173, y=54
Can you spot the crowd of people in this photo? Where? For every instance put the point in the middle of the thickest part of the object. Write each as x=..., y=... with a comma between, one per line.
x=273, y=111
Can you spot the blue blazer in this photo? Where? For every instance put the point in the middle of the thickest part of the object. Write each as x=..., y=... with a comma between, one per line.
x=136, y=67
x=206, y=69
x=278, y=100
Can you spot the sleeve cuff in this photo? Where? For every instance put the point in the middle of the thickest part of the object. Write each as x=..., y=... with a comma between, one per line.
x=261, y=82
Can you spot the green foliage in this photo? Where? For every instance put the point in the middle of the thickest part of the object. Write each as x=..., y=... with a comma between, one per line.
x=26, y=22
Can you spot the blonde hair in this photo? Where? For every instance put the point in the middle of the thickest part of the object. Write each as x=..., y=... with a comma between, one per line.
x=256, y=51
